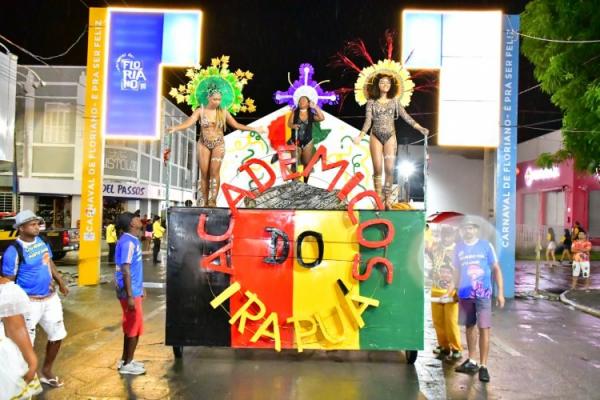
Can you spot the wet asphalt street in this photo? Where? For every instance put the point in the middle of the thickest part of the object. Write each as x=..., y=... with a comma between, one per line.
x=541, y=349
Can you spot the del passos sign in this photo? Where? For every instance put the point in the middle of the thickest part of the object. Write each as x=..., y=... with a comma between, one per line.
x=132, y=190
x=295, y=279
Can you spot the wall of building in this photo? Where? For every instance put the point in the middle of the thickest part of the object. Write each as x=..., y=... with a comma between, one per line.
x=49, y=129
x=455, y=183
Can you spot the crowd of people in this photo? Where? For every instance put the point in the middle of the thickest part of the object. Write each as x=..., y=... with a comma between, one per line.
x=574, y=248
x=29, y=297
x=29, y=287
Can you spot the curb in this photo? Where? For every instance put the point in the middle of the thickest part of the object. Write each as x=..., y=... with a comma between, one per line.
x=585, y=309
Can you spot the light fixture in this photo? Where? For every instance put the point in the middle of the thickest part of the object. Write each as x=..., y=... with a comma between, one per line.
x=406, y=168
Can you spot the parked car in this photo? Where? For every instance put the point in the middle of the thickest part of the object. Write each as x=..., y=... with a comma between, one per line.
x=61, y=241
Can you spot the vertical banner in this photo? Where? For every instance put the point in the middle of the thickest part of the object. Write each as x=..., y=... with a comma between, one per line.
x=93, y=151
x=133, y=69
x=506, y=166
x=127, y=48
x=8, y=85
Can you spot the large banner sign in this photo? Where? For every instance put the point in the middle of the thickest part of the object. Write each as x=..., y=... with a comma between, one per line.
x=140, y=42
x=506, y=164
x=465, y=46
x=285, y=278
x=127, y=48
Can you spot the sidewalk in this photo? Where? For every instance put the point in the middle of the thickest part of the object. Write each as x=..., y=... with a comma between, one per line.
x=557, y=280
x=585, y=300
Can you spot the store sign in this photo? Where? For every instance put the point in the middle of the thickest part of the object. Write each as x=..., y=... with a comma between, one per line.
x=132, y=190
x=125, y=190
x=540, y=174
x=120, y=162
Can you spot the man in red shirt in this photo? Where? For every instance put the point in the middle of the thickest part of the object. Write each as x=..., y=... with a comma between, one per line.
x=581, y=259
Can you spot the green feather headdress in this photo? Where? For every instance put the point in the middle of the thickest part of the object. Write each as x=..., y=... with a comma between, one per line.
x=204, y=82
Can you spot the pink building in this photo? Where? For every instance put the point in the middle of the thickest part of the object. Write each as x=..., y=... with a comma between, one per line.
x=558, y=197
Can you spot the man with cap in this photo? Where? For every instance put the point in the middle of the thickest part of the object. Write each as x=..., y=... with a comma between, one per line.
x=129, y=279
x=476, y=262
x=28, y=262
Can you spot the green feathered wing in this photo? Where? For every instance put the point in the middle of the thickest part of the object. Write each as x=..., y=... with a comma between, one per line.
x=319, y=134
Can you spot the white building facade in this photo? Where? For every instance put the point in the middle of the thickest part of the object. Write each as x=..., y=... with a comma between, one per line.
x=48, y=131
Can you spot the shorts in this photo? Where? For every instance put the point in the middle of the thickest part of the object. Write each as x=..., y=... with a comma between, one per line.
x=49, y=314
x=581, y=267
x=551, y=246
x=133, y=320
x=475, y=311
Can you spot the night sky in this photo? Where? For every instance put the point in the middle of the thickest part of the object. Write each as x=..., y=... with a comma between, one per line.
x=271, y=38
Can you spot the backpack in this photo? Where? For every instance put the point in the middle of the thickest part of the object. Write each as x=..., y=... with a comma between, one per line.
x=19, y=249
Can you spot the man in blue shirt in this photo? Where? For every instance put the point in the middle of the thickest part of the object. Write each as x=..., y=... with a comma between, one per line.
x=129, y=279
x=475, y=261
x=28, y=262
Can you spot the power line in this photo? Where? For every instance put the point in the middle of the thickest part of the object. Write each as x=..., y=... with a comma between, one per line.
x=40, y=58
x=531, y=88
x=555, y=40
x=539, y=123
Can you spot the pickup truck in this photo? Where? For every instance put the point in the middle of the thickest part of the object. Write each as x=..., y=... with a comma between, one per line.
x=61, y=241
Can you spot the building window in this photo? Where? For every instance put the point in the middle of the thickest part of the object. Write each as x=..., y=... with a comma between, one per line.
x=6, y=202
x=594, y=213
x=57, y=123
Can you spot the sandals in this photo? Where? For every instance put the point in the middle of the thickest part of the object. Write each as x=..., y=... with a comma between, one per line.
x=52, y=382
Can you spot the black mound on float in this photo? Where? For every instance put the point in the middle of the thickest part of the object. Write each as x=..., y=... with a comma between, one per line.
x=296, y=195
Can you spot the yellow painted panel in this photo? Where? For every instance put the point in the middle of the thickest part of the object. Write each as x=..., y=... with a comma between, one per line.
x=315, y=289
x=93, y=151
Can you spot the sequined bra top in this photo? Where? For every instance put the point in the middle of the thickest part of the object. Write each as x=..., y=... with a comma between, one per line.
x=381, y=116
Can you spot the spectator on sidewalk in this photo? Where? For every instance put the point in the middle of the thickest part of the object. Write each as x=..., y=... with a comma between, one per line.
x=581, y=260
x=476, y=262
x=157, y=233
x=551, y=248
x=444, y=306
x=566, y=243
x=576, y=229
x=147, y=233
x=28, y=262
x=129, y=278
x=18, y=369
x=111, y=240
x=147, y=237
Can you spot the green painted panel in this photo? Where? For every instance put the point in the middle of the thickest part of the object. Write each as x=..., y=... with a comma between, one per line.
x=398, y=322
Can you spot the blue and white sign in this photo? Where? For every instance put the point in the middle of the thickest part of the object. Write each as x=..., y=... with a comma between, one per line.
x=140, y=43
x=132, y=70
x=506, y=166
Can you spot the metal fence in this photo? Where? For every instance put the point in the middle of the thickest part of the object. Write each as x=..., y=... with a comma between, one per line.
x=527, y=237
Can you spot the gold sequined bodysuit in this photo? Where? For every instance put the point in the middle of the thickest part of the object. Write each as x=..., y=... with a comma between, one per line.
x=382, y=116
x=206, y=126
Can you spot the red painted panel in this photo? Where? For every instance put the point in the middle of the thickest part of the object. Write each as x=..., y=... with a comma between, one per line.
x=272, y=283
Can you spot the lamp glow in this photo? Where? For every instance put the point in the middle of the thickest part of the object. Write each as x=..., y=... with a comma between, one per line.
x=406, y=168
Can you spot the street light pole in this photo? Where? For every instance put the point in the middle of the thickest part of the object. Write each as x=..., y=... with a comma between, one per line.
x=168, y=167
